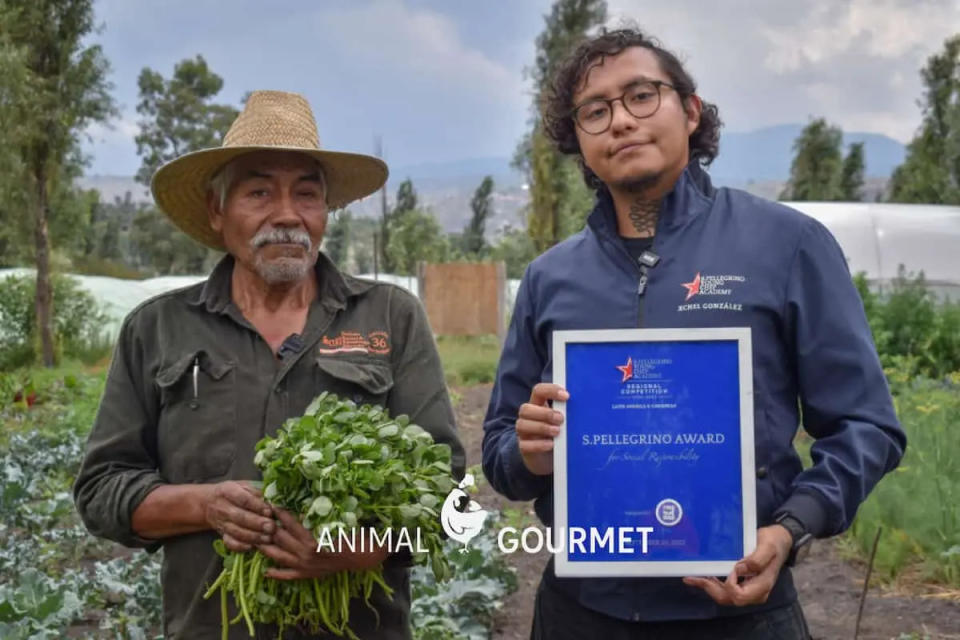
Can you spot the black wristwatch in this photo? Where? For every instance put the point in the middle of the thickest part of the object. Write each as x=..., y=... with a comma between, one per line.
x=801, y=537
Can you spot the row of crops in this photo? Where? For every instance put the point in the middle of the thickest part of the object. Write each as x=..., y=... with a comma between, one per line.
x=57, y=581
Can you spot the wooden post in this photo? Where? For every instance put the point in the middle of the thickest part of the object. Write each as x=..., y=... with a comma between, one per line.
x=501, y=301
x=421, y=280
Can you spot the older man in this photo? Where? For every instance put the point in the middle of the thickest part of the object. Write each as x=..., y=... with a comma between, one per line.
x=201, y=374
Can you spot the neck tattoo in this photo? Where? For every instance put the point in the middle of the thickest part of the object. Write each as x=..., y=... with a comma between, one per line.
x=643, y=216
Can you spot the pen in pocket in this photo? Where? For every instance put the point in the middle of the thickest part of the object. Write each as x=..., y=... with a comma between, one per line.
x=196, y=370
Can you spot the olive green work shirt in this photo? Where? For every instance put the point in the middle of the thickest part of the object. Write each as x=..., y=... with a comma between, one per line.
x=367, y=341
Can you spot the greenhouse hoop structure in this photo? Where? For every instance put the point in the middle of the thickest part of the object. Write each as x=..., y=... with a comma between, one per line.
x=876, y=238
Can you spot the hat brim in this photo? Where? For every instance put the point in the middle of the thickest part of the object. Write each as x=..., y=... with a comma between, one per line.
x=180, y=186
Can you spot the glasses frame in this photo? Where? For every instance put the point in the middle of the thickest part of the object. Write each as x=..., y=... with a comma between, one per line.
x=656, y=83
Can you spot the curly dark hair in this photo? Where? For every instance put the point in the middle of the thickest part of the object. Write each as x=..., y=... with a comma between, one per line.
x=558, y=98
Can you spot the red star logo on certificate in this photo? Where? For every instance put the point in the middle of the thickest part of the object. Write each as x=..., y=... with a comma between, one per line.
x=693, y=288
x=626, y=370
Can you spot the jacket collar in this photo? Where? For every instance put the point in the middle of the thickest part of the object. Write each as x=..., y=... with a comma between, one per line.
x=333, y=289
x=691, y=196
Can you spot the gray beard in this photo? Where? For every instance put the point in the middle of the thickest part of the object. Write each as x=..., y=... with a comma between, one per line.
x=282, y=270
x=285, y=269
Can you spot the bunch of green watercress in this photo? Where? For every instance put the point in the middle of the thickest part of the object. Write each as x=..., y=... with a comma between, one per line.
x=340, y=467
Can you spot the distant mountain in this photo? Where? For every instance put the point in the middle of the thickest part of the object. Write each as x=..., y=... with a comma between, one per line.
x=758, y=161
x=113, y=187
x=446, y=188
x=463, y=173
x=765, y=155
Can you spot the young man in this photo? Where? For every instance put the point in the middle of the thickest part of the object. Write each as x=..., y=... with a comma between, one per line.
x=201, y=374
x=629, y=111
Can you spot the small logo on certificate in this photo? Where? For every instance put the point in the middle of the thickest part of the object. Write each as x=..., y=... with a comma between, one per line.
x=669, y=512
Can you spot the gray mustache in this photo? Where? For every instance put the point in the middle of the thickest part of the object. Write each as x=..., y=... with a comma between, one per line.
x=278, y=236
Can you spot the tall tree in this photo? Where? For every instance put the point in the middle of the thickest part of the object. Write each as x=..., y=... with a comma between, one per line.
x=817, y=163
x=336, y=242
x=362, y=233
x=162, y=249
x=559, y=199
x=363, y=259
x=407, y=199
x=108, y=243
x=406, y=202
x=415, y=236
x=931, y=171
x=72, y=210
x=177, y=116
x=481, y=207
x=851, y=174
x=68, y=91
x=370, y=259
x=107, y=235
x=15, y=228
x=515, y=249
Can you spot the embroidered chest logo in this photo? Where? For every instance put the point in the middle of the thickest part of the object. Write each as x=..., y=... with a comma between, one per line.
x=355, y=342
x=711, y=286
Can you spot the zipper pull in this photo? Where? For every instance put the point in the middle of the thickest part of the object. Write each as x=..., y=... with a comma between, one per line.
x=642, y=287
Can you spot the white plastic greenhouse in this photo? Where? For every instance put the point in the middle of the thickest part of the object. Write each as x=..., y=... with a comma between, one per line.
x=876, y=238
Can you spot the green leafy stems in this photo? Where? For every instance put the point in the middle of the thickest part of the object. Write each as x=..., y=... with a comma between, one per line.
x=340, y=467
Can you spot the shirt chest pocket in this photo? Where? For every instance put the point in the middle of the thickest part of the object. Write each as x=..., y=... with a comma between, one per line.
x=198, y=405
x=363, y=381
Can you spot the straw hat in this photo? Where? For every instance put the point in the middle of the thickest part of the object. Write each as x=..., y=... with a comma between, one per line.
x=271, y=120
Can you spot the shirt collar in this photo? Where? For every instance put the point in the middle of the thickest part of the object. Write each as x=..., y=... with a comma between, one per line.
x=333, y=289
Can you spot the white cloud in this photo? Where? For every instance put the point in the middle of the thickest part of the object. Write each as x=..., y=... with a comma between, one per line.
x=123, y=129
x=433, y=86
x=422, y=43
x=112, y=145
x=854, y=62
x=884, y=29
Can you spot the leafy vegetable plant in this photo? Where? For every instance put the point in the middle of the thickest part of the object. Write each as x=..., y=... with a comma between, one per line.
x=346, y=470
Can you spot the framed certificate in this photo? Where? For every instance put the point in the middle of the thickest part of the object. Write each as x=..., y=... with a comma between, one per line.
x=654, y=465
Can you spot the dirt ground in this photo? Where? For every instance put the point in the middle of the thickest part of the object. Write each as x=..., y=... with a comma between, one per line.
x=829, y=586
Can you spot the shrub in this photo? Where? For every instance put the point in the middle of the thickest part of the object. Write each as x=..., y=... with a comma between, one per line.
x=78, y=321
x=469, y=360
x=913, y=330
x=94, y=266
x=917, y=503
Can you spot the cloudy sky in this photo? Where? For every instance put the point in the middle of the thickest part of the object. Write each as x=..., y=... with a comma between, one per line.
x=443, y=80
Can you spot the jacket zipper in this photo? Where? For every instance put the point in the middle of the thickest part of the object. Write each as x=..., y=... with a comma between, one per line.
x=641, y=281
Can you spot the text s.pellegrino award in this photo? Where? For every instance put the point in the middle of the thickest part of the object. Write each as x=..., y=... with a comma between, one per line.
x=654, y=466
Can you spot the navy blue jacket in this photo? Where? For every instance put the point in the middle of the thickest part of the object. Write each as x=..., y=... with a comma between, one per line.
x=728, y=259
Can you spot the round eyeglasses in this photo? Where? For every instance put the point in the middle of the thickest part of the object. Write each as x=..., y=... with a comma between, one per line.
x=641, y=100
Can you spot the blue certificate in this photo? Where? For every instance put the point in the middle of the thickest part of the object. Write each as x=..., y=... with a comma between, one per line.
x=654, y=467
